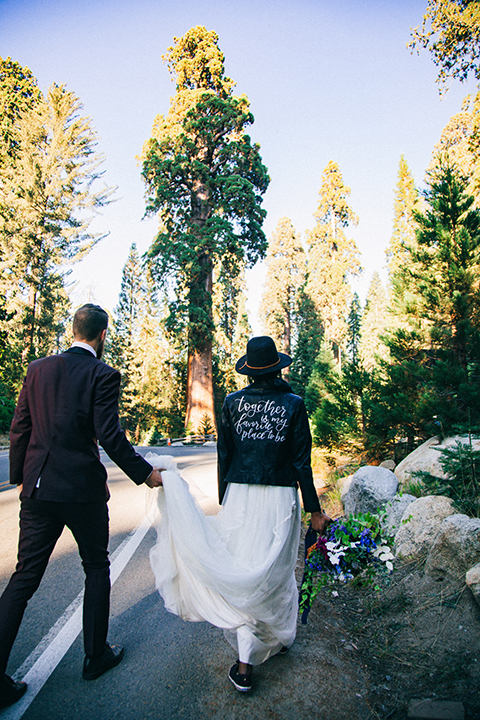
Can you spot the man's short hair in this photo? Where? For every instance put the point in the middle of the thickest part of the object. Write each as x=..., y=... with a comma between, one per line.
x=89, y=321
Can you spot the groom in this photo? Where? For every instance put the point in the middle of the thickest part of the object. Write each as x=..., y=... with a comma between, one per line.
x=68, y=402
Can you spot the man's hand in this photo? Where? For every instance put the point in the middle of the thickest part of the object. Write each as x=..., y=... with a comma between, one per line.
x=319, y=521
x=155, y=478
x=19, y=488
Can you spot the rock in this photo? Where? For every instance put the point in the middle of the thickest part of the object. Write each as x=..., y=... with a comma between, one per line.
x=472, y=579
x=436, y=710
x=389, y=464
x=419, y=525
x=344, y=484
x=456, y=548
x=427, y=458
x=394, y=511
x=370, y=489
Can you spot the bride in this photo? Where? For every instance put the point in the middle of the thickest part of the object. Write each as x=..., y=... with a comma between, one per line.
x=236, y=570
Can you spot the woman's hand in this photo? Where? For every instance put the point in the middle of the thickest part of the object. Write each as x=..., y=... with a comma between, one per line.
x=319, y=521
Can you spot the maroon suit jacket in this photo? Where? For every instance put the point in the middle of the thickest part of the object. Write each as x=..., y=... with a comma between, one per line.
x=68, y=402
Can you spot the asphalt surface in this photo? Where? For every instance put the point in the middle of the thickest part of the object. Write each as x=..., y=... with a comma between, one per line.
x=172, y=669
x=163, y=667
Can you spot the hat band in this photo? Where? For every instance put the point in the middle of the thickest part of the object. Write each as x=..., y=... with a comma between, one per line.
x=263, y=367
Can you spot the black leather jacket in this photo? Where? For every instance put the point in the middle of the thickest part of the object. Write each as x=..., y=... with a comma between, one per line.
x=264, y=439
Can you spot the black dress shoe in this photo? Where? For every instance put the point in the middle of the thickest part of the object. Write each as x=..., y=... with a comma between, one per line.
x=11, y=691
x=94, y=667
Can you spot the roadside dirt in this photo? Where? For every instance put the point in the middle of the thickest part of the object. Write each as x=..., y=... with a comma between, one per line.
x=413, y=637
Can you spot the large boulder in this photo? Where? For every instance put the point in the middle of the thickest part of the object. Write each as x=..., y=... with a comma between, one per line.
x=472, y=579
x=456, y=548
x=394, y=511
x=344, y=485
x=427, y=458
x=371, y=488
x=419, y=525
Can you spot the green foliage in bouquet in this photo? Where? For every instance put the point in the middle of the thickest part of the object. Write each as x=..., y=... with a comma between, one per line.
x=353, y=549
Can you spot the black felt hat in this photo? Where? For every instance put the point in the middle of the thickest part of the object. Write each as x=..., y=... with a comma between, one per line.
x=262, y=357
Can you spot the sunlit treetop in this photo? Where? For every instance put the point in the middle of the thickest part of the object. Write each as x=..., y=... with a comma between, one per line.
x=18, y=94
x=198, y=62
x=451, y=32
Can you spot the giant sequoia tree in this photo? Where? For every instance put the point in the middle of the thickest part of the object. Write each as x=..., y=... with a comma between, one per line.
x=206, y=180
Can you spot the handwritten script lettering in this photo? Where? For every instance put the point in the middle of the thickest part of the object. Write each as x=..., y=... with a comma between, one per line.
x=262, y=420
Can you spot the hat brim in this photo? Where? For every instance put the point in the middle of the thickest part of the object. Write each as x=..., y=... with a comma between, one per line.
x=242, y=367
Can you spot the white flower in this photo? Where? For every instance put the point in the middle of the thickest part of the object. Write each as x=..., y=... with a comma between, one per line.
x=335, y=552
x=331, y=546
x=384, y=553
x=335, y=557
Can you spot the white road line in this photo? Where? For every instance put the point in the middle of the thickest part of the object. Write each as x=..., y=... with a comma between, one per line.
x=41, y=663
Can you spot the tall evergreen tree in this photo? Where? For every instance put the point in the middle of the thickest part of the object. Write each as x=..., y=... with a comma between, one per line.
x=354, y=328
x=375, y=321
x=151, y=400
x=332, y=257
x=46, y=201
x=435, y=361
x=129, y=315
x=206, y=180
x=19, y=93
x=285, y=275
x=403, y=234
x=309, y=337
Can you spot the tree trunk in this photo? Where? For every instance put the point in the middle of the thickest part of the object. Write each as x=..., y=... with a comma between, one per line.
x=200, y=408
x=200, y=415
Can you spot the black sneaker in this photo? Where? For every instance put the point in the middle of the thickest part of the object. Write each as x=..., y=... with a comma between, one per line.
x=11, y=691
x=243, y=683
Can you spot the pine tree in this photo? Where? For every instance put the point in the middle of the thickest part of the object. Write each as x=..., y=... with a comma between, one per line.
x=375, y=322
x=285, y=275
x=332, y=257
x=309, y=337
x=205, y=179
x=19, y=93
x=152, y=364
x=403, y=234
x=354, y=328
x=433, y=372
x=46, y=198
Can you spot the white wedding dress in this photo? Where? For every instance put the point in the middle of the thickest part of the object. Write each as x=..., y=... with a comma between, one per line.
x=234, y=570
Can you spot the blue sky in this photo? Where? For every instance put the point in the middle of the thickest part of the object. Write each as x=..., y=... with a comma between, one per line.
x=326, y=79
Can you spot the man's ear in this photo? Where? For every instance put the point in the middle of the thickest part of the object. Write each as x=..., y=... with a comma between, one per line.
x=103, y=334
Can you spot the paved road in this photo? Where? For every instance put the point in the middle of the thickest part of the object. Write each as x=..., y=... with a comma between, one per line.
x=172, y=669
x=162, y=664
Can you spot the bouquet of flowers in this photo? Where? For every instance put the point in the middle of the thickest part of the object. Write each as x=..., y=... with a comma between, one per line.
x=351, y=546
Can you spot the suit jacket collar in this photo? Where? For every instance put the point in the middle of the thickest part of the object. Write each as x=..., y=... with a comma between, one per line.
x=81, y=351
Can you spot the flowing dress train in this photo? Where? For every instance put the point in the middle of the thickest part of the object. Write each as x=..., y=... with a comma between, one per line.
x=234, y=570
